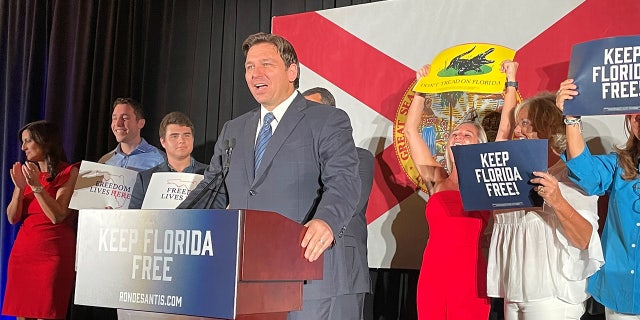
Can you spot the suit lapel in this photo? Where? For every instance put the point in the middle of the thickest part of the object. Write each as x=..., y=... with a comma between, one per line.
x=249, y=140
x=285, y=127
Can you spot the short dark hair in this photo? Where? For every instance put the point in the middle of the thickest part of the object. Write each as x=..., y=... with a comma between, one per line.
x=137, y=106
x=285, y=48
x=325, y=95
x=47, y=135
x=175, y=117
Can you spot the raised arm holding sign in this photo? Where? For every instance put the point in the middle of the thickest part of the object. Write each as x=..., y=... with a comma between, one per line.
x=556, y=246
x=454, y=240
x=615, y=174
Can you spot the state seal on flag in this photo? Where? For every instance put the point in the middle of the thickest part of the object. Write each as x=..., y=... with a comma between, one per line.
x=441, y=113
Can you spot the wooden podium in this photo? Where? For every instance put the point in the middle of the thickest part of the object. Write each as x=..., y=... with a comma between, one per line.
x=219, y=264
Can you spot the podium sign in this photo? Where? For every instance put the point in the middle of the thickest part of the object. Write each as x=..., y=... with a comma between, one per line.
x=223, y=264
x=158, y=261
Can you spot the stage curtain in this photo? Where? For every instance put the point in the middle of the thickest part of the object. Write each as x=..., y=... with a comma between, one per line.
x=66, y=61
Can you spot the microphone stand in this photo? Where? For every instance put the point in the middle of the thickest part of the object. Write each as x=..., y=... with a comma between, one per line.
x=225, y=169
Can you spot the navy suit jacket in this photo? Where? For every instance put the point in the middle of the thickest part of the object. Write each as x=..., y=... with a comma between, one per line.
x=308, y=171
x=356, y=268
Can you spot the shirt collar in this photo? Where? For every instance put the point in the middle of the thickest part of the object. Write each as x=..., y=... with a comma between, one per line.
x=190, y=169
x=143, y=147
x=279, y=110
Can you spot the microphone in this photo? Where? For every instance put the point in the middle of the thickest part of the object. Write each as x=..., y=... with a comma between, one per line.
x=225, y=169
x=229, y=145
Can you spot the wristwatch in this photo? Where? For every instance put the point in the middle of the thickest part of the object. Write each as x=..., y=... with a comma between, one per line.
x=37, y=189
x=511, y=84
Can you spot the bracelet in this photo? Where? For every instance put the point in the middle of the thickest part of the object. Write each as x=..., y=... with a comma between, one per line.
x=572, y=122
x=37, y=189
x=511, y=84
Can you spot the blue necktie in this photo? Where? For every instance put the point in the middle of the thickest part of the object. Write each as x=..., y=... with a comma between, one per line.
x=263, y=138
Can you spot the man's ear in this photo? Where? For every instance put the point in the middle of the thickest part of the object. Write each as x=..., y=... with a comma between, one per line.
x=162, y=143
x=292, y=72
x=141, y=123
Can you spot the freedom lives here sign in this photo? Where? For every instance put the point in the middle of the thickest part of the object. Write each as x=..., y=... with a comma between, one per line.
x=495, y=175
x=607, y=74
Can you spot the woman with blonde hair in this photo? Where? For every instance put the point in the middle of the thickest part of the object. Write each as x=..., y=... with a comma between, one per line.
x=451, y=284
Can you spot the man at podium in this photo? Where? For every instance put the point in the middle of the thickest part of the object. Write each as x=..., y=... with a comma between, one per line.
x=290, y=156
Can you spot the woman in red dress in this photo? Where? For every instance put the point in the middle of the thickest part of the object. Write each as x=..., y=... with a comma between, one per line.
x=452, y=281
x=40, y=273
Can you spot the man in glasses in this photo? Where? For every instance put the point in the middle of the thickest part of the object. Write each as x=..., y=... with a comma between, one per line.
x=132, y=152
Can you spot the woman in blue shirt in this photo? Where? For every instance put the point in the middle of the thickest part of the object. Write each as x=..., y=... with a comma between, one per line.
x=617, y=284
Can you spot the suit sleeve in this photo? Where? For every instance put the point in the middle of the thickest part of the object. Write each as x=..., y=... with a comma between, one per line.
x=339, y=172
x=365, y=170
x=137, y=195
x=212, y=179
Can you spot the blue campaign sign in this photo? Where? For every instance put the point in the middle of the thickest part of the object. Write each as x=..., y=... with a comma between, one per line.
x=169, y=261
x=607, y=73
x=496, y=175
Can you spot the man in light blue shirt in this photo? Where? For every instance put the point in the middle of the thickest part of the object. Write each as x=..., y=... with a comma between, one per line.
x=132, y=152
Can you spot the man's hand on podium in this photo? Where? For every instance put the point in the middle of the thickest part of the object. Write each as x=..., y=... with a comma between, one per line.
x=317, y=239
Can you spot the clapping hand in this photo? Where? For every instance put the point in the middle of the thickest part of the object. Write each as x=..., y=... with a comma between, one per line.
x=18, y=177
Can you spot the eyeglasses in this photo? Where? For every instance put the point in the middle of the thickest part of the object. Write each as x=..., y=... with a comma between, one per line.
x=524, y=123
x=636, y=203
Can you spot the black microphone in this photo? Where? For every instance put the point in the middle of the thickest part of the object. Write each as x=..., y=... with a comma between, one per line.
x=208, y=187
x=230, y=144
x=225, y=170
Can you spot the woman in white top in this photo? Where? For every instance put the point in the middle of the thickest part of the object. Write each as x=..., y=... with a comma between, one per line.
x=540, y=258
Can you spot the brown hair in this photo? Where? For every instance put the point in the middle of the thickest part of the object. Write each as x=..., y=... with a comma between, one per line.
x=546, y=119
x=325, y=95
x=137, y=106
x=628, y=155
x=175, y=117
x=47, y=135
x=286, y=50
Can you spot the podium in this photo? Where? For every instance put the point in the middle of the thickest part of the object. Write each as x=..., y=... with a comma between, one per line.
x=219, y=264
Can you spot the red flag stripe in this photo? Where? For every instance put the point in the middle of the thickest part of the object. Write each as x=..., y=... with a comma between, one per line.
x=544, y=61
x=390, y=185
x=355, y=59
x=387, y=79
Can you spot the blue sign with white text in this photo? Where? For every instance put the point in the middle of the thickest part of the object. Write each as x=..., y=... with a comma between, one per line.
x=607, y=74
x=495, y=175
x=168, y=261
